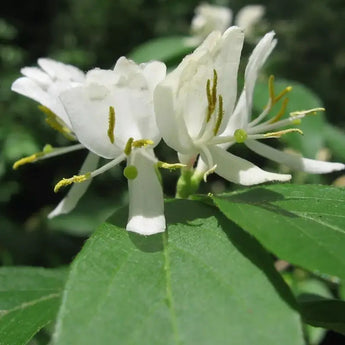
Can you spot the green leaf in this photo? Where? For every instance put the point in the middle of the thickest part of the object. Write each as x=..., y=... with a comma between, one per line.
x=205, y=281
x=320, y=312
x=335, y=139
x=302, y=224
x=166, y=49
x=300, y=98
x=29, y=300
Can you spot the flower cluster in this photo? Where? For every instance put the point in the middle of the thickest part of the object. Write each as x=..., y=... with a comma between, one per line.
x=122, y=114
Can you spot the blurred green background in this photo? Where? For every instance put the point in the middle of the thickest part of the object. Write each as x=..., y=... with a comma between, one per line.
x=86, y=33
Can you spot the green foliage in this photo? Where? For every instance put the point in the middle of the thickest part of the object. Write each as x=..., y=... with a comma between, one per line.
x=198, y=283
x=29, y=300
x=303, y=225
x=167, y=49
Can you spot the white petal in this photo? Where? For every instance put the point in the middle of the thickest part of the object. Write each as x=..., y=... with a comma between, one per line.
x=226, y=64
x=295, y=162
x=154, y=72
x=146, y=204
x=257, y=59
x=210, y=18
x=59, y=70
x=249, y=16
x=37, y=75
x=238, y=170
x=78, y=189
x=169, y=119
x=33, y=90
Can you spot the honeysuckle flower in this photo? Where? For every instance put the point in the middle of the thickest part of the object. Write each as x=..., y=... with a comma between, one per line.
x=242, y=128
x=196, y=113
x=44, y=85
x=194, y=104
x=112, y=115
x=210, y=18
x=247, y=17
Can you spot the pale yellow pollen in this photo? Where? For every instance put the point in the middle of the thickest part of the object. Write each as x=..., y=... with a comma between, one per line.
x=128, y=147
x=219, y=116
x=142, y=143
x=75, y=179
x=278, y=134
x=26, y=160
x=312, y=111
x=111, y=126
x=54, y=122
x=131, y=143
x=170, y=166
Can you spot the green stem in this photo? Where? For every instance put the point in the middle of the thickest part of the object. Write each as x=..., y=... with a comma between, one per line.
x=187, y=184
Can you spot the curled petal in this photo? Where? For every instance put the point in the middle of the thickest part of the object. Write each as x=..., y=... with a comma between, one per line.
x=146, y=204
x=238, y=170
x=78, y=189
x=29, y=88
x=293, y=161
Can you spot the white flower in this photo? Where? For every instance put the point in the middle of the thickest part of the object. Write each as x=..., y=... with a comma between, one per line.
x=210, y=18
x=248, y=17
x=195, y=109
x=112, y=115
x=242, y=128
x=44, y=84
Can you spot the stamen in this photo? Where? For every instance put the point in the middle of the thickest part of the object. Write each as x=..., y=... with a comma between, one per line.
x=164, y=165
x=240, y=135
x=25, y=160
x=211, y=95
x=282, y=94
x=142, y=143
x=111, y=126
x=214, y=87
x=54, y=122
x=280, y=133
x=312, y=111
x=281, y=112
x=130, y=172
x=219, y=116
x=75, y=179
x=128, y=147
x=209, y=172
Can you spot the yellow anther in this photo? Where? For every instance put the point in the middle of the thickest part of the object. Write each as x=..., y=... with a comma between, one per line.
x=75, y=179
x=312, y=111
x=214, y=87
x=32, y=158
x=25, y=160
x=142, y=143
x=170, y=166
x=282, y=94
x=281, y=111
x=219, y=116
x=280, y=133
x=128, y=147
x=111, y=126
x=211, y=95
x=54, y=122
